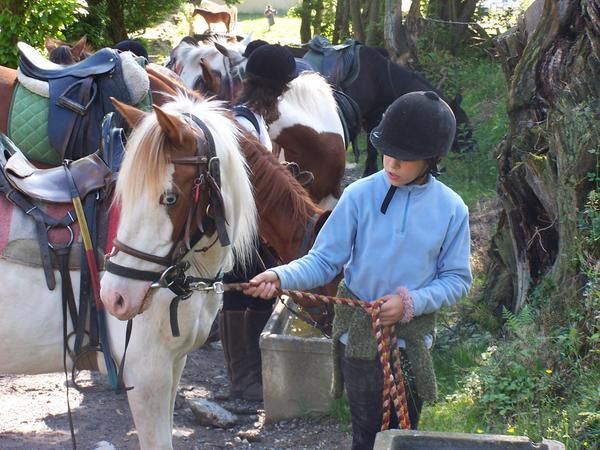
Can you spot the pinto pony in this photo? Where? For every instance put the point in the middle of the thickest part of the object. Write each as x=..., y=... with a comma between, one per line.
x=31, y=328
x=309, y=128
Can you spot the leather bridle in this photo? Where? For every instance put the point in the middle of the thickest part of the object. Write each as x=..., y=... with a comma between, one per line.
x=207, y=211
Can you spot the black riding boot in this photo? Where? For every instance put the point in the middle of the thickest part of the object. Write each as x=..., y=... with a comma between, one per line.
x=231, y=329
x=254, y=322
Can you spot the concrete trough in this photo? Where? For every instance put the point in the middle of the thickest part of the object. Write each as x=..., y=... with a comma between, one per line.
x=431, y=440
x=296, y=370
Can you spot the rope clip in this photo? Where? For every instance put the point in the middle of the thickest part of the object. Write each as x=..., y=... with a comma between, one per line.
x=217, y=286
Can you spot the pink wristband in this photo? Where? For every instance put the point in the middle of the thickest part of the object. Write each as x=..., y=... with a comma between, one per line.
x=408, y=309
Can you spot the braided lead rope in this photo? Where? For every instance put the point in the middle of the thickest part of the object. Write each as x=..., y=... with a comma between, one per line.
x=393, y=386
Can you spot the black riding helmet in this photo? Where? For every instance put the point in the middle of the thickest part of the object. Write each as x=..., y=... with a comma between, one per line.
x=417, y=125
x=271, y=64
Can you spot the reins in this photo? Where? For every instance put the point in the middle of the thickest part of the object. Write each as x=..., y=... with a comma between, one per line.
x=394, y=391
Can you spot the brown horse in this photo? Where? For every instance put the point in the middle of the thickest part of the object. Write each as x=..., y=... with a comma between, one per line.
x=60, y=52
x=228, y=18
x=289, y=220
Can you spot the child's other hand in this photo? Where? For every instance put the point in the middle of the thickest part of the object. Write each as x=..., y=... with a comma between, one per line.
x=264, y=285
x=392, y=310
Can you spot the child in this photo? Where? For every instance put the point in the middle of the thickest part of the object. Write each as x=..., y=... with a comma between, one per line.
x=270, y=15
x=399, y=234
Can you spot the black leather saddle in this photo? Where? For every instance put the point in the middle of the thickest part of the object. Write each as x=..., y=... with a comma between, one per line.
x=79, y=97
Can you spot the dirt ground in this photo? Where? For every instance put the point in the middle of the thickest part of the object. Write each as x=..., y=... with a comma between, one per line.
x=33, y=414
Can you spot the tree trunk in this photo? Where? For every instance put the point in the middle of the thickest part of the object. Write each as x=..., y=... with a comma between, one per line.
x=544, y=159
x=373, y=17
x=447, y=26
x=357, y=24
x=318, y=19
x=397, y=39
x=116, y=31
x=341, y=28
x=305, y=13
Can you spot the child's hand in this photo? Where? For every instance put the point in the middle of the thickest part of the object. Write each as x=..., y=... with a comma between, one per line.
x=392, y=310
x=264, y=285
x=397, y=307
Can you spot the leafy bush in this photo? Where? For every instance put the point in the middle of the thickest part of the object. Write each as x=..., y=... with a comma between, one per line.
x=32, y=23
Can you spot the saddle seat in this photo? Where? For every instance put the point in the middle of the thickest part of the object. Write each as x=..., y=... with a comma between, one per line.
x=339, y=64
x=321, y=45
x=52, y=185
x=34, y=65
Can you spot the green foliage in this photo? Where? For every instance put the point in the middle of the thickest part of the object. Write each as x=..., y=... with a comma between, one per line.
x=479, y=80
x=285, y=31
x=138, y=15
x=340, y=410
x=31, y=24
x=93, y=25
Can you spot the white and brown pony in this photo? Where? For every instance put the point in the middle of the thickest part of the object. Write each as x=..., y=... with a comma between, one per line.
x=166, y=155
x=309, y=129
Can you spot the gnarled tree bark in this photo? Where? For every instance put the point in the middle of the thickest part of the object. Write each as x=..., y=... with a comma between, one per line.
x=544, y=159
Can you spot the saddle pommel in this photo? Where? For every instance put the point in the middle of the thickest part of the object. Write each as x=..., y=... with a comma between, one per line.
x=52, y=185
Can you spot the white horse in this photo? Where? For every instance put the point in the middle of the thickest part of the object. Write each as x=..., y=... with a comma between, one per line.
x=154, y=194
x=224, y=57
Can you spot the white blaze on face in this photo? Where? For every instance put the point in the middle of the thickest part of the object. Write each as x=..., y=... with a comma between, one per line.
x=146, y=227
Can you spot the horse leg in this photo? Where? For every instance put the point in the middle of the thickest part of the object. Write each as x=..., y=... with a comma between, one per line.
x=371, y=161
x=178, y=366
x=153, y=370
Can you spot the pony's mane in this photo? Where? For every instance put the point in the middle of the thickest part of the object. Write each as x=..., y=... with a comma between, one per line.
x=275, y=186
x=146, y=171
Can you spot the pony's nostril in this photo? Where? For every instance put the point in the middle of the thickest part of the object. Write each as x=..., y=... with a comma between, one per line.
x=120, y=302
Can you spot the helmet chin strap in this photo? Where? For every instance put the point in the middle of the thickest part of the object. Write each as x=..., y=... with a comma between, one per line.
x=430, y=169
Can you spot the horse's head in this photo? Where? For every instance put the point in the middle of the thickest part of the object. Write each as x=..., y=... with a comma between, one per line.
x=222, y=61
x=463, y=140
x=185, y=198
x=60, y=52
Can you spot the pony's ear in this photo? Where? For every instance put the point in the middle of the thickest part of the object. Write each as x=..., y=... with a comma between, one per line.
x=51, y=44
x=130, y=113
x=246, y=40
x=79, y=47
x=171, y=125
x=213, y=84
x=222, y=49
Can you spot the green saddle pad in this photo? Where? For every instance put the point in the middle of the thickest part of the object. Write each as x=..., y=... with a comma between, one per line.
x=28, y=126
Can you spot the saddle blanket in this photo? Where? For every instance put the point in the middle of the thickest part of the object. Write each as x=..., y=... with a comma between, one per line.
x=19, y=243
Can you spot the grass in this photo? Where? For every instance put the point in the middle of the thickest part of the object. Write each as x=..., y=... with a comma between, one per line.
x=286, y=30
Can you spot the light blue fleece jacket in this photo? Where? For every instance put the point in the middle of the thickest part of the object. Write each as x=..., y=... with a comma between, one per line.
x=421, y=243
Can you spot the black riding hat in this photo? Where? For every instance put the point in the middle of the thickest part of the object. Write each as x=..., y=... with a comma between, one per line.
x=271, y=64
x=417, y=125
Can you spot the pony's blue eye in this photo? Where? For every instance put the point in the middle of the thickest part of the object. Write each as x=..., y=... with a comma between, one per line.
x=168, y=199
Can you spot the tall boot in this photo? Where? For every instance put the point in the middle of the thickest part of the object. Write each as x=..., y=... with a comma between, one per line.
x=231, y=324
x=254, y=322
